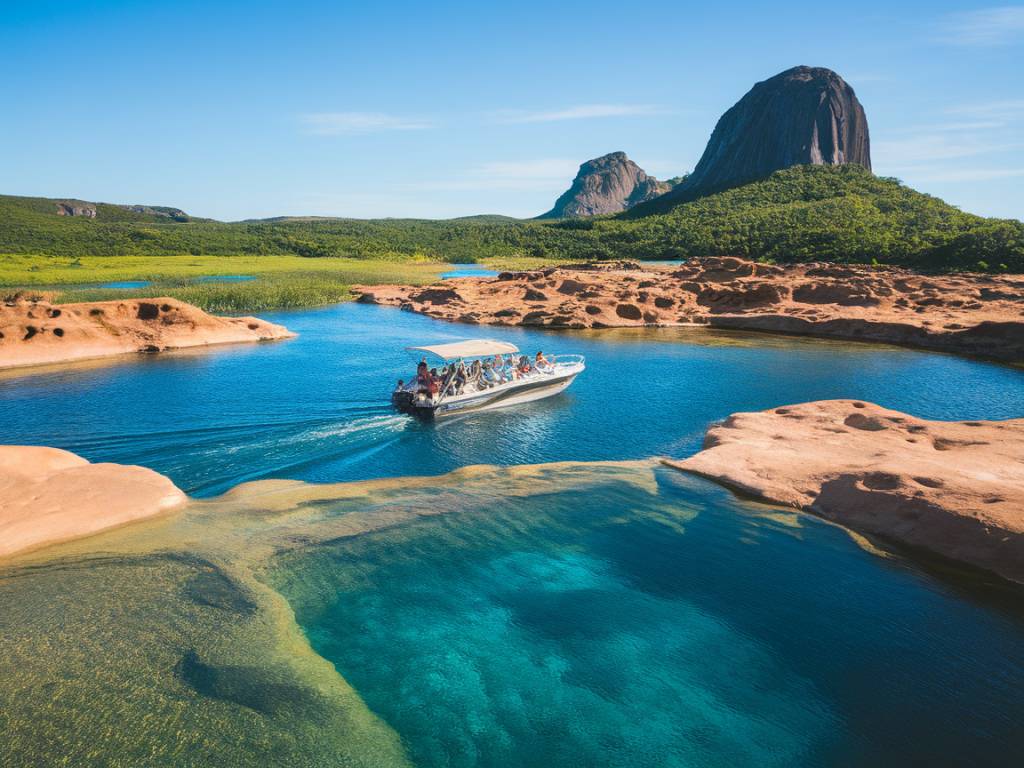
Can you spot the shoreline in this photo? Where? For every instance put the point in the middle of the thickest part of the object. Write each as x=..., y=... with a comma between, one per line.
x=50, y=496
x=37, y=333
x=949, y=488
x=966, y=314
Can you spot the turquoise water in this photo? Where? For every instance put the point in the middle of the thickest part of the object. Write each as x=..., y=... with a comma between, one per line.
x=468, y=270
x=126, y=285
x=674, y=626
x=626, y=624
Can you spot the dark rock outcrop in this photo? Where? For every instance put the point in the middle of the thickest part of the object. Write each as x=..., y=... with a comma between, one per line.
x=91, y=211
x=608, y=184
x=160, y=211
x=803, y=116
x=76, y=208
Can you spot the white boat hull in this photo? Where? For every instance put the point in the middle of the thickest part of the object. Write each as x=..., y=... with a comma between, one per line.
x=501, y=396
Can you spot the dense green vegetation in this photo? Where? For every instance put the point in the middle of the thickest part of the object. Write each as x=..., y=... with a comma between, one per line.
x=803, y=213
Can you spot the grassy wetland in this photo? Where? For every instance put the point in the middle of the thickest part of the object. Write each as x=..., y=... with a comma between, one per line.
x=220, y=284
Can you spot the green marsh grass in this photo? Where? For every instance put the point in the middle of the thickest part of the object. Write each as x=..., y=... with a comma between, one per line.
x=280, y=282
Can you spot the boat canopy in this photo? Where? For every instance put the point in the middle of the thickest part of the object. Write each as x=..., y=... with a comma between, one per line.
x=469, y=348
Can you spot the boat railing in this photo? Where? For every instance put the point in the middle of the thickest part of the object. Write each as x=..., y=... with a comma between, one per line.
x=566, y=360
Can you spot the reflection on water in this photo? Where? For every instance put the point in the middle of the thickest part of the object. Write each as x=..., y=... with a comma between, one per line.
x=316, y=407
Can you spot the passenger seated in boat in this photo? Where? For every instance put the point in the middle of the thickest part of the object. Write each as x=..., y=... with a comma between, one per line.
x=542, y=364
x=505, y=370
x=461, y=377
x=524, y=365
x=488, y=378
x=422, y=377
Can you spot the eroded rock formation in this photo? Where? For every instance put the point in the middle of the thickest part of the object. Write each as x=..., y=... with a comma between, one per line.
x=966, y=313
x=607, y=184
x=35, y=332
x=76, y=208
x=955, y=489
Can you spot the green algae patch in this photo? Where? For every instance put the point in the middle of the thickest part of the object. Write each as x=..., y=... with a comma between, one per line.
x=117, y=660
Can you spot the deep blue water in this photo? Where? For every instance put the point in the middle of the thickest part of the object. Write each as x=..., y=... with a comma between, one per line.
x=607, y=625
x=316, y=407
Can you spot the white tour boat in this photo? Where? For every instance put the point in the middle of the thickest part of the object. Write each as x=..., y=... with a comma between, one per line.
x=481, y=374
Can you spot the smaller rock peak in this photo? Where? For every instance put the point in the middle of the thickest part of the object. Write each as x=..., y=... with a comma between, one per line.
x=803, y=72
x=612, y=158
x=607, y=184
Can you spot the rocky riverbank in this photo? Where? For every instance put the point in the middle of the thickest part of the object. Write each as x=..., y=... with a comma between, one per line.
x=37, y=332
x=963, y=313
x=955, y=489
x=48, y=495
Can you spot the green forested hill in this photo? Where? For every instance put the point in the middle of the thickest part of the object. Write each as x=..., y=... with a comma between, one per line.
x=836, y=213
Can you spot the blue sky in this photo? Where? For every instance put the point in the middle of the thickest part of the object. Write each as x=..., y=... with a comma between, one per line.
x=250, y=109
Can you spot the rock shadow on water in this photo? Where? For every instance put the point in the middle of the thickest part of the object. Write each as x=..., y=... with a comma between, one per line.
x=268, y=691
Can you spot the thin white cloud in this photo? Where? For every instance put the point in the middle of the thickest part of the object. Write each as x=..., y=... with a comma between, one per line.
x=541, y=175
x=984, y=28
x=927, y=148
x=1000, y=109
x=340, y=123
x=579, y=112
x=965, y=174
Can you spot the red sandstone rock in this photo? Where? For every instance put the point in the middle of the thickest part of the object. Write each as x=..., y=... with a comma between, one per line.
x=955, y=489
x=37, y=332
x=972, y=314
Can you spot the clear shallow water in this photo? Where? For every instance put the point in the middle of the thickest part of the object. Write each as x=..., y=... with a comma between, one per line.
x=664, y=626
x=316, y=408
x=551, y=619
x=468, y=270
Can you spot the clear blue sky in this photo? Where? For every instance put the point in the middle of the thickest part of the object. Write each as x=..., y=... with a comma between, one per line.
x=250, y=109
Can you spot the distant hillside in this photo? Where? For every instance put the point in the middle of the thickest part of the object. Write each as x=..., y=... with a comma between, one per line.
x=832, y=213
x=108, y=212
x=837, y=213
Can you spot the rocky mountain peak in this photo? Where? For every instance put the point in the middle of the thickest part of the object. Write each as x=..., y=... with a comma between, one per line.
x=803, y=116
x=607, y=184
